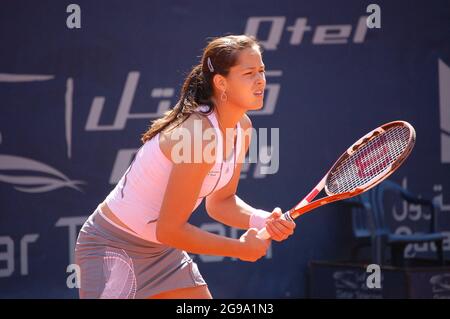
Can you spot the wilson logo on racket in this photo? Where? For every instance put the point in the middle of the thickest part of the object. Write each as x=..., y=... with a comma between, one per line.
x=365, y=164
x=371, y=161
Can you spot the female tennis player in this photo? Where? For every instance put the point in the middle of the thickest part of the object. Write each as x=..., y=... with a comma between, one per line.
x=135, y=243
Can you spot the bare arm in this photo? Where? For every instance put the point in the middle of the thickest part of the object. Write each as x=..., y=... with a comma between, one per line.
x=224, y=205
x=173, y=227
x=233, y=211
x=180, y=197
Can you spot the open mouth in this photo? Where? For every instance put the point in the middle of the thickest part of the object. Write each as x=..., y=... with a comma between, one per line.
x=259, y=93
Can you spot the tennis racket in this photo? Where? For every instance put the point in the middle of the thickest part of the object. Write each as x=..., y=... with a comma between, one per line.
x=365, y=164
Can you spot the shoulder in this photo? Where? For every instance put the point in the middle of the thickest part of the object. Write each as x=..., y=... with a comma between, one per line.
x=182, y=140
x=193, y=124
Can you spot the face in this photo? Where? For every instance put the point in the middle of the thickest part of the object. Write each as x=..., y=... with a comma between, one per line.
x=246, y=81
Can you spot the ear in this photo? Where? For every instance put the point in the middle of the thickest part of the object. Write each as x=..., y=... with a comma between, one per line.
x=220, y=82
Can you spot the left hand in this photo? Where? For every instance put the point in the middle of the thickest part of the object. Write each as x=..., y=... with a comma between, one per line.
x=279, y=229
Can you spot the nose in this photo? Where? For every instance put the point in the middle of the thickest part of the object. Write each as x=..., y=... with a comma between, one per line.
x=261, y=79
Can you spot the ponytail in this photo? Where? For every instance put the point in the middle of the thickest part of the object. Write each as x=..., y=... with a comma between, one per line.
x=196, y=91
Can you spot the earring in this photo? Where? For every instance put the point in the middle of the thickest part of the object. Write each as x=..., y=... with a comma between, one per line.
x=223, y=96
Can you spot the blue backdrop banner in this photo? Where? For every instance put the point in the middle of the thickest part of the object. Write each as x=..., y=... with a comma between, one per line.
x=74, y=102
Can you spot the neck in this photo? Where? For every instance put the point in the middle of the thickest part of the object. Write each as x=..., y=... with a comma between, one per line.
x=228, y=115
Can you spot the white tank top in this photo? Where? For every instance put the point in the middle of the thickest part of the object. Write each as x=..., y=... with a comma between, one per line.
x=137, y=198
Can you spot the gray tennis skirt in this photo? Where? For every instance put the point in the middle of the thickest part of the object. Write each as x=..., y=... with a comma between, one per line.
x=116, y=264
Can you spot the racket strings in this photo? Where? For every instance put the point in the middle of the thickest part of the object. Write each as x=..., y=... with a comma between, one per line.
x=369, y=161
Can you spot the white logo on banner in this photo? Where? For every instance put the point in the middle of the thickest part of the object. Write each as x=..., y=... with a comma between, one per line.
x=17, y=78
x=43, y=177
x=351, y=284
x=321, y=34
x=35, y=181
x=124, y=113
x=440, y=286
x=10, y=250
x=414, y=214
x=444, y=110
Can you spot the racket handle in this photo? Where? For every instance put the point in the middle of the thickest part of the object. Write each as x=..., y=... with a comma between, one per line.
x=264, y=234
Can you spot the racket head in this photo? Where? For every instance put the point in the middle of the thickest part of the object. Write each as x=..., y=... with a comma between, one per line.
x=371, y=159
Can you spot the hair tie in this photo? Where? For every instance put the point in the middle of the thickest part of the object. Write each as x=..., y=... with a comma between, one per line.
x=210, y=66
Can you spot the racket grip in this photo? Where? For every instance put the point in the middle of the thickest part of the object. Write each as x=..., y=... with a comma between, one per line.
x=264, y=234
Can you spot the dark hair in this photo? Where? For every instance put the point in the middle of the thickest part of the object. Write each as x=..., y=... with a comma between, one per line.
x=218, y=57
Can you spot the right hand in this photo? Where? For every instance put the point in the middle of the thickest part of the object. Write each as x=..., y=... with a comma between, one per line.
x=253, y=247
